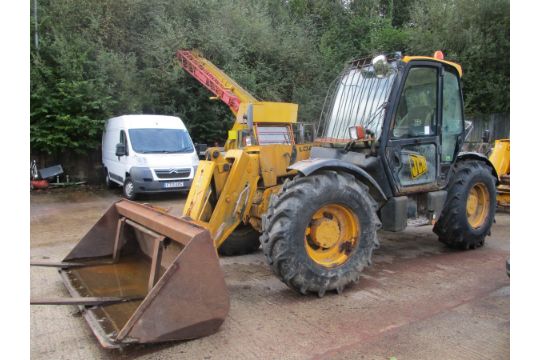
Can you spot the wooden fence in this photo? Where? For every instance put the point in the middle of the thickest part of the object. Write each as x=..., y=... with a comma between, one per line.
x=88, y=166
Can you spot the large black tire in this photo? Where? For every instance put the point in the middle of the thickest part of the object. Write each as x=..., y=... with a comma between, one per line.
x=129, y=189
x=453, y=226
x=243, y=240
x=284, y=228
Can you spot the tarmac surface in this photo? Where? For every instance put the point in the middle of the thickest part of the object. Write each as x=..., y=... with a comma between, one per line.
x=419, y=299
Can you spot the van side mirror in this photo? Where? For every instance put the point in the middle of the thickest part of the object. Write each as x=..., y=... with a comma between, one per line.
x=121, y=149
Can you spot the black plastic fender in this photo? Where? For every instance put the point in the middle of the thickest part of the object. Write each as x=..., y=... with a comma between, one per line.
x=307, y=167
x=470, y=155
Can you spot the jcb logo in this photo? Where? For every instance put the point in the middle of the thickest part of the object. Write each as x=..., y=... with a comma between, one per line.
x=418, y=165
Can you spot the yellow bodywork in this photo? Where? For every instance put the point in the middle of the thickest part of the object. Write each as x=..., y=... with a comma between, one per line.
x=477, y=208
x=267, y=112
x=406, y=59
x=500, y=158
x=331, y=235
x=264, y=112
x=418, y=165
x=236, y=186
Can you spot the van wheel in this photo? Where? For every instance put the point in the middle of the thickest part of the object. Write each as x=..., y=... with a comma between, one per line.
x=129, y=189
x=108, y=182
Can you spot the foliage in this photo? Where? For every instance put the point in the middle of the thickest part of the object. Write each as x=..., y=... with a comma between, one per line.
x=476, y=34
x=103, y=58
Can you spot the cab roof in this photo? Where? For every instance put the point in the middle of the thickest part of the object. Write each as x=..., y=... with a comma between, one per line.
x=407, y=59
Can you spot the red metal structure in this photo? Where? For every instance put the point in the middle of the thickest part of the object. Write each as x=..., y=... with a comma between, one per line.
x=195, y=66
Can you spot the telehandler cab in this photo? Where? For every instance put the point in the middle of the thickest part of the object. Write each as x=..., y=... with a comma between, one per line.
x=387, y=155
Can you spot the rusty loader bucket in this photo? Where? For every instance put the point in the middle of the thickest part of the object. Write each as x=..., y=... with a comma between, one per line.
x=143, y=276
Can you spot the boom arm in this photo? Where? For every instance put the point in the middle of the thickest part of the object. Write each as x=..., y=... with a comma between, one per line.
x=237, y=98
x=215, y=80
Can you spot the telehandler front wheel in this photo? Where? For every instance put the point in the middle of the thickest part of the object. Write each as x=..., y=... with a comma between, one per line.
x=319, y=232
x=470, y=207
x=243, y=240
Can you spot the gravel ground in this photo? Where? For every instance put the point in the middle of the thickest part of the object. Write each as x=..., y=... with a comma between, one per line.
x=419, y=300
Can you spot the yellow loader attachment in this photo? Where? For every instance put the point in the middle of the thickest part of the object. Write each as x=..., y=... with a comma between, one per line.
x=221, y=194
x=143, y=276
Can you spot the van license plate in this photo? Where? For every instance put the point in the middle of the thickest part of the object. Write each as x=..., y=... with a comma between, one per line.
x=174, y=184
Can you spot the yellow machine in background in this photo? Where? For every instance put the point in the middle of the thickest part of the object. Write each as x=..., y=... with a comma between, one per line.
x=231, y=189
x=500, y=158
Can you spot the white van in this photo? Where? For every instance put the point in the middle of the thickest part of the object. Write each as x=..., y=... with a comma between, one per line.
x=148, y=154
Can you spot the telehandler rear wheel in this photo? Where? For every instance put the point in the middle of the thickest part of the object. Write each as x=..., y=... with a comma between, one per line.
x=470, y=207
x=243, y=240
x=319, y=232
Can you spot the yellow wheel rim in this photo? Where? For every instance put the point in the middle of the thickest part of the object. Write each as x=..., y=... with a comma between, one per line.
x=331, y=235
x=477, y=205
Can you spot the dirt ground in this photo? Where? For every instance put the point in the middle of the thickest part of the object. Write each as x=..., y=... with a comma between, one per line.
x=419, y=300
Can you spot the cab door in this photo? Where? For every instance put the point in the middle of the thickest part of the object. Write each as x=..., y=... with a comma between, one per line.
x=413, y=147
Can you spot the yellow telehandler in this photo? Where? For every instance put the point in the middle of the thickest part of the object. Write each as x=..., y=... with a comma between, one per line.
x=231, y=189
x=387, y=154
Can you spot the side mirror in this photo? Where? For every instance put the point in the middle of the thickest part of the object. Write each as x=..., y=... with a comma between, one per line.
x=120, y=149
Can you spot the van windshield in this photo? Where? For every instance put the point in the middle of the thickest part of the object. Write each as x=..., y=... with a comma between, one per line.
x=164, y=141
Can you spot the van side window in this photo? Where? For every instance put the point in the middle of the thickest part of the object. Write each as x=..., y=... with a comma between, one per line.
x=123, y=140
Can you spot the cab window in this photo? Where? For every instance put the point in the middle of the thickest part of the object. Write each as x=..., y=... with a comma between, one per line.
x=273, y=135
x=417, y=110
x=452, y=116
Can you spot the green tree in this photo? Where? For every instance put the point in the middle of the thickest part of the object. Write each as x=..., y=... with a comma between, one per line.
x=477, y=35
x=103, y=58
